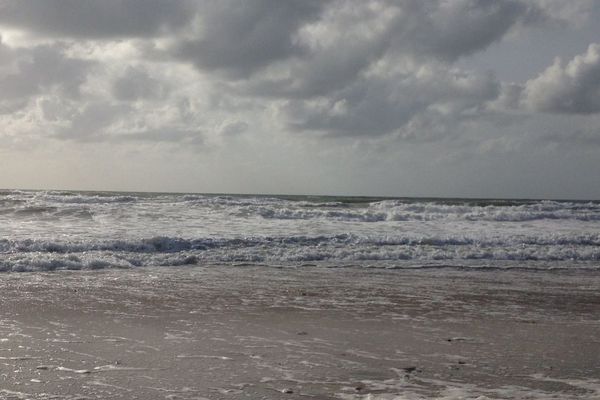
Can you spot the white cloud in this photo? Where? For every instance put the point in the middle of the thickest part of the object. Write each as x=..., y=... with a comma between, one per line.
x=572, y=88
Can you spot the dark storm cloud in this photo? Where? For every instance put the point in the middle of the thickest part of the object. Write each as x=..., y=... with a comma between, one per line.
x=240, y=37
x=96, y=19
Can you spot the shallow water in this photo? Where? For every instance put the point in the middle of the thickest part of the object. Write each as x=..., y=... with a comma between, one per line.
x=251, y=332
x=186, y=296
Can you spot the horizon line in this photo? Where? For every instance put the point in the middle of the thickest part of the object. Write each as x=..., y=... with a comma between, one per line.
x=425, y=197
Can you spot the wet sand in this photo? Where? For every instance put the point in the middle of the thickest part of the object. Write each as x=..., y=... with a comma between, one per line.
x=249, y=333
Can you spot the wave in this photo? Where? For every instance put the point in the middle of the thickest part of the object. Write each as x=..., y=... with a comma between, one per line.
x=47, y=212
x=35, y=262
x=76, y=230
x=85, y=199
x=163, y=244
x=30, y=254
x=32, y=210
x=393, y=211
x=306, y=208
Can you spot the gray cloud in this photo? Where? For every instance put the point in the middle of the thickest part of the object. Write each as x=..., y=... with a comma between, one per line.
x=351, y=36
x=96, y=19
x=573, y=88
x=564, y=12
x=189, y=137
x=89, y=123
x=339, y=85
x=239, y=38
x=343, y=68
x=107, y=122
x=234, y=128
x=135, y=83
x=324, y=72
x=29, y=71
x=344, y=42
x=452, y=29
x=378, y=105
x=587, y=137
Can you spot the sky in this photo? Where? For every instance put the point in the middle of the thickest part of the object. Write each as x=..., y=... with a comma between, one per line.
x=448, y=98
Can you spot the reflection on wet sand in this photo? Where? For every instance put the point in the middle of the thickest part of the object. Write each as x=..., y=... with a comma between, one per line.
x=252, y=332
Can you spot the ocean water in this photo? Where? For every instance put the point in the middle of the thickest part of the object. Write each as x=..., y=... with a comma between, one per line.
x=49, y=230
x=327, y=297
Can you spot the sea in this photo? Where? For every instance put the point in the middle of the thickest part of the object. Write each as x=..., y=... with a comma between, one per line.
x=112, y=295
x=75, y=230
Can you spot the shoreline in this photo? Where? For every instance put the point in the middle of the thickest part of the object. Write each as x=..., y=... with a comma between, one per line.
x=235, y=332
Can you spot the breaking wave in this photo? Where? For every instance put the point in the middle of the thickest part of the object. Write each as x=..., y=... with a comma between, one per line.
x=89, y=230
x=348, y=249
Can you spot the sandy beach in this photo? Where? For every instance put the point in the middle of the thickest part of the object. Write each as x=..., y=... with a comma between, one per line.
x=257, y=332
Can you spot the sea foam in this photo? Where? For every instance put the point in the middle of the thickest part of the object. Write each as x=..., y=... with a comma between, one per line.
x=80, y=230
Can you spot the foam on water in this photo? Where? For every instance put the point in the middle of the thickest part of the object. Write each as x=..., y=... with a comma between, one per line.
x=447, y=390
x=86, y=230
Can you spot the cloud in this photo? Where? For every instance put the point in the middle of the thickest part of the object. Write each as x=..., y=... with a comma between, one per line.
x=135, y=83
x=342, y=68
x=452, y=29
x=119, y=123
x=239, y=38
x=566, y=12
x=234, y=128
x=190, y=70
x=347, y=39
x=25, y=72
x=188, y=137
x=91, y=121
x=96, y=19
x=365, y=68
x=573, y=88
x=590, y=138
x=377, y=105
x=319, y=43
